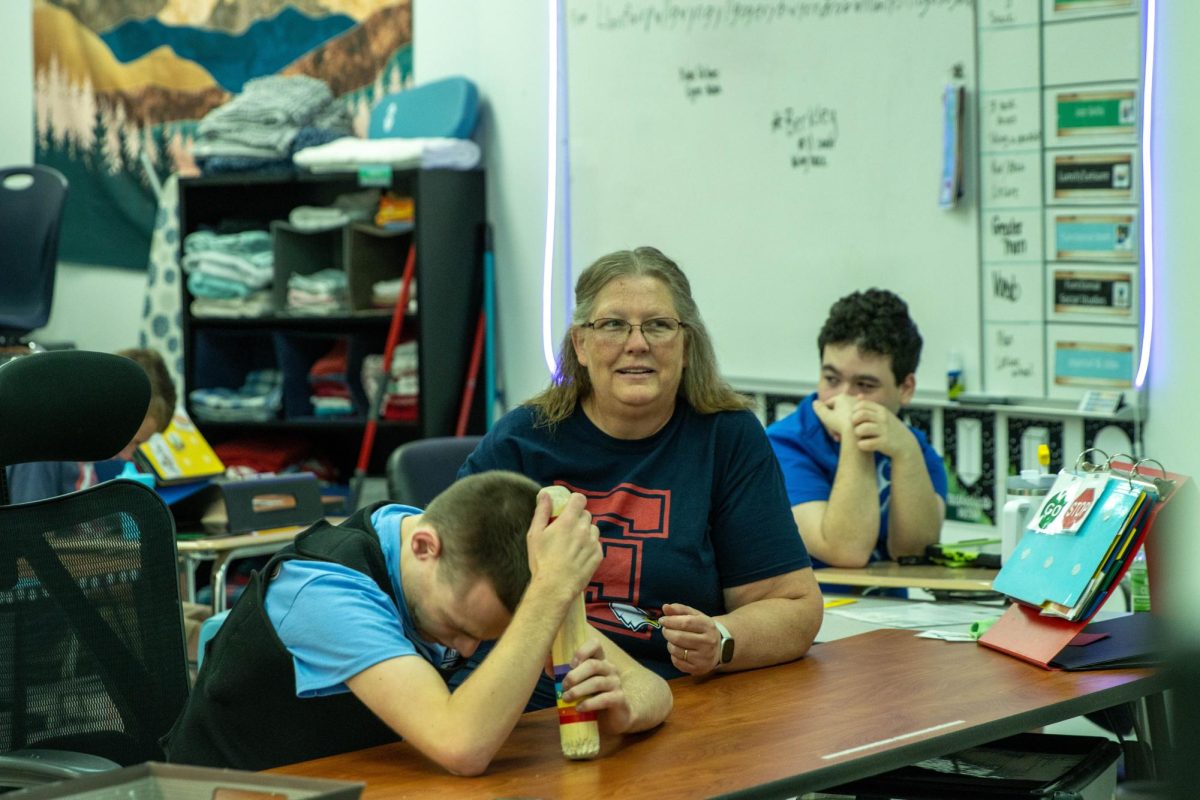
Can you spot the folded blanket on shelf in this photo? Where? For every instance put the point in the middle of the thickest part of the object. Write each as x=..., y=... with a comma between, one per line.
x=349, y=153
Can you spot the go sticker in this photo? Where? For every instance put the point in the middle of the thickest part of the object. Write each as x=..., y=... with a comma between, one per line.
x=1052, y=509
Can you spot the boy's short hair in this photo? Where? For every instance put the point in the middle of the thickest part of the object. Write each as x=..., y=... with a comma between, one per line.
x=482, y=520
x=162, y=389
x=876, y=321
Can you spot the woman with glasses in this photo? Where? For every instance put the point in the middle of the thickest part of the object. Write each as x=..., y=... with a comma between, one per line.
x=703, y=568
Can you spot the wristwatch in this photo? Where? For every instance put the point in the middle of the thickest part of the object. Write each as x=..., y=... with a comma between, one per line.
x=726, y=646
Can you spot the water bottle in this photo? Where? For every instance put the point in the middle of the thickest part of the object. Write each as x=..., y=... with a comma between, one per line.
x=1139, y=582
x=1023, y=496
x=955, y=383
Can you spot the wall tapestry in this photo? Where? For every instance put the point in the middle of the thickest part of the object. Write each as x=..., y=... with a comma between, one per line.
x=120, y=86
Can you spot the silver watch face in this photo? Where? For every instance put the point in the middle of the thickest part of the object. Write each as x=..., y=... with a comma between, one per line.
x=726, y=650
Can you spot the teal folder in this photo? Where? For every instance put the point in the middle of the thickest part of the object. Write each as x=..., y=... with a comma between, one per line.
x=1057, y=568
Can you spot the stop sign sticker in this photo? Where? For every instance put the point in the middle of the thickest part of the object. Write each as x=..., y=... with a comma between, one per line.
x=1078, y=510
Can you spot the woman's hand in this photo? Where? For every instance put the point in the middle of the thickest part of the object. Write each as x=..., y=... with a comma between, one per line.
x=693, y=641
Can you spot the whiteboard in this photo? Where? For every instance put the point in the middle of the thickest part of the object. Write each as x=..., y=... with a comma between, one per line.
x=785, y=154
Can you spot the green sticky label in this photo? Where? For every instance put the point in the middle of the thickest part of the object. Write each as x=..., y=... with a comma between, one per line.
x=1081, y=113
x=1081, y=5
x=375, y=175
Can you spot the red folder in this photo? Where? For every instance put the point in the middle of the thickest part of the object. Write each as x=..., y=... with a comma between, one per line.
x=1023, y=632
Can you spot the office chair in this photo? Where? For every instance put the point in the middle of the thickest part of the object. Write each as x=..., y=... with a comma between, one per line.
x=93, y=667
x=418, y=471
x=31, y=206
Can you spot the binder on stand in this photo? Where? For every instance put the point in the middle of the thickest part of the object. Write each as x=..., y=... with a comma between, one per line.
x=1046, y=635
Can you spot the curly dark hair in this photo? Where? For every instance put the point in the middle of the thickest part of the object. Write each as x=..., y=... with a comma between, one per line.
x=876, y=321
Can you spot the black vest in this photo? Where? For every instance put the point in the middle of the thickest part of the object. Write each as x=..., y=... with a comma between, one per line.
x=243, y=711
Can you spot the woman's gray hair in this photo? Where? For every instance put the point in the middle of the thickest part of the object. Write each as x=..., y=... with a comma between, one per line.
x=701, y=386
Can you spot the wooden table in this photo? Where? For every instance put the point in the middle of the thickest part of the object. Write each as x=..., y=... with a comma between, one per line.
x=891, y=575
x=851, y=708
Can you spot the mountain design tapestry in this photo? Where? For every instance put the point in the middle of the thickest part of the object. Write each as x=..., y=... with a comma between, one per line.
x=120, y=86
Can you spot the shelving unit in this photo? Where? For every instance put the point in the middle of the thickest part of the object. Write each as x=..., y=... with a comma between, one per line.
x=448, y=236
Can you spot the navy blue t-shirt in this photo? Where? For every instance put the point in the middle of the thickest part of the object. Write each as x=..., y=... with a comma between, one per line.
x=698, y=507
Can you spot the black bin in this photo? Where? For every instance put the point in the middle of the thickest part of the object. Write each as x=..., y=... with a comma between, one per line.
x=1029, y=765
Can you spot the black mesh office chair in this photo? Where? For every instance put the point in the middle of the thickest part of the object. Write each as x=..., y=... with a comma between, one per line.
x=31, y=206
x=418, y=471
x=92, y=658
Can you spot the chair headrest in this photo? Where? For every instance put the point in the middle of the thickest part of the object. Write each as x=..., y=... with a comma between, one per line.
x=70, y=405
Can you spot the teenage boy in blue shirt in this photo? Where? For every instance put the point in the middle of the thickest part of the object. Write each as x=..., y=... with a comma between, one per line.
x=863, y=485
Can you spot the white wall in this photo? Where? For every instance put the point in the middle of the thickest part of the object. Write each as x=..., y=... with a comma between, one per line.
x=502, y=47
x=94, y=308
x=16, y=91
x=1172, y=432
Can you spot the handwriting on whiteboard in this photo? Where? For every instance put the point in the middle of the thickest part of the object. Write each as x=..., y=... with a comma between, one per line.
x=699, y=15
x=1011, y=120
x=813, y=132
x=1007, y=356
x=700, y=81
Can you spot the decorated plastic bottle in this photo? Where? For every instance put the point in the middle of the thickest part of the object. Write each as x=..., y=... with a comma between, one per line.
x=578, y=731
x=1139, y=582
x=955, y=383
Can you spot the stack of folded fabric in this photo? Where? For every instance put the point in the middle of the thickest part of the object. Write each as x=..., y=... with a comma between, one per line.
x=349, y=153
x=346, y=208
x=403, y=387
x=327, y=379
x=228, y=274
x=320, y=292
x=273, y=117
x=257, y=400
x=262, y=455
x=385, y=293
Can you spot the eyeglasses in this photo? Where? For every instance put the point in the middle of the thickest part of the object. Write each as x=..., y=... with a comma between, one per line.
x=612, y=330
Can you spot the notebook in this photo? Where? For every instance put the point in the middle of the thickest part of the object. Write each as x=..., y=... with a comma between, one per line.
x=1127, y=641
x=179, y=454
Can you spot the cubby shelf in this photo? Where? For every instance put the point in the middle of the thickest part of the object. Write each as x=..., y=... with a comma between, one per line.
x=448, y=238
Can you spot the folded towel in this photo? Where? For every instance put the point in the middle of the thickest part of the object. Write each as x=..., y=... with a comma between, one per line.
x=350, y=153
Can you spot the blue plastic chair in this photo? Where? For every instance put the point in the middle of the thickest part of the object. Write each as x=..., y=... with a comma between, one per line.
x=418, y=471
x=446, y=108
x=31, y=207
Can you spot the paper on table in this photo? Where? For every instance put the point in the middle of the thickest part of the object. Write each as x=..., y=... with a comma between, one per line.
x=918, y=614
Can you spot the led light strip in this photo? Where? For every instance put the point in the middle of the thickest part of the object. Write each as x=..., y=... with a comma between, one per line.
x=1147, y=200
x=552, y=157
